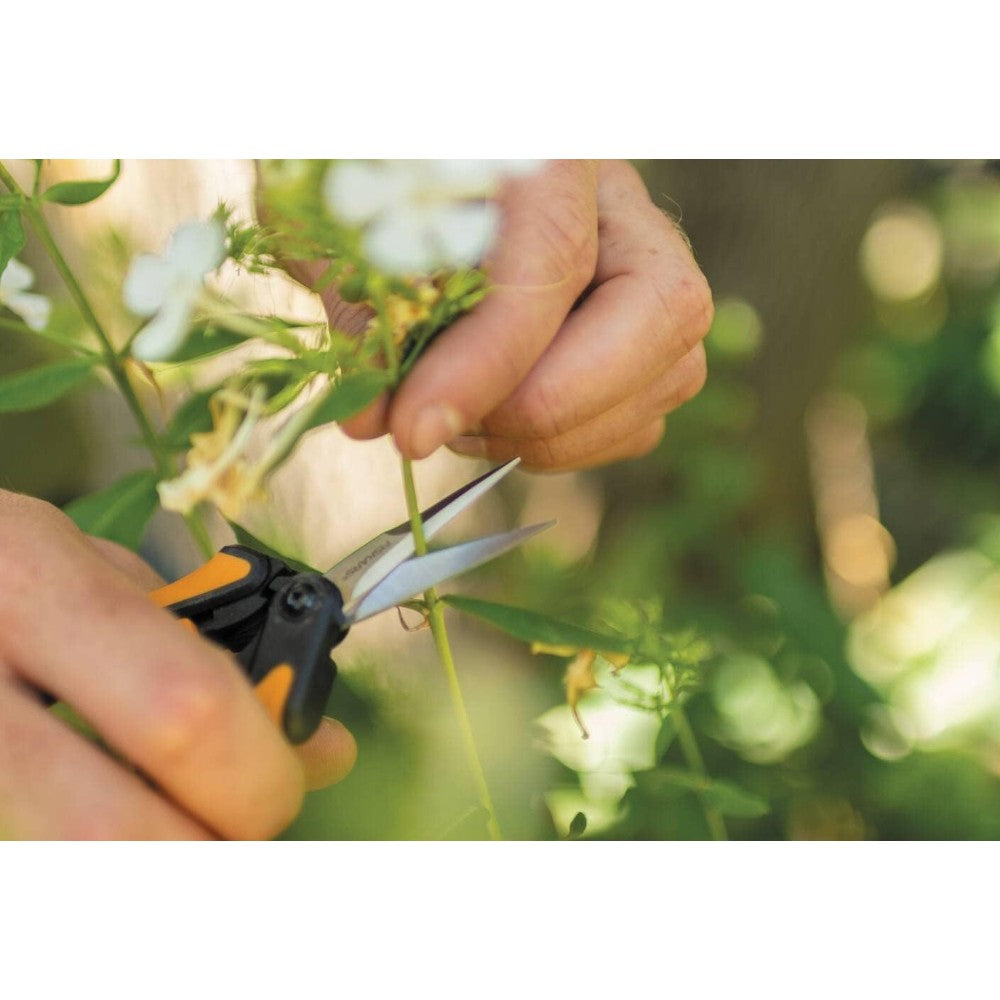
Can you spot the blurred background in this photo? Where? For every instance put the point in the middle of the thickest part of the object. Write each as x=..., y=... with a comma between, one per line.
x=826, y=514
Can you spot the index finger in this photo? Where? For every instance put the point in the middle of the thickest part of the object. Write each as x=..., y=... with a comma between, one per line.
x=544, y=259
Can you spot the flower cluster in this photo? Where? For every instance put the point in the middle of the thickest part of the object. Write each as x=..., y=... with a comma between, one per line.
x=421, y=215
x=400, y=236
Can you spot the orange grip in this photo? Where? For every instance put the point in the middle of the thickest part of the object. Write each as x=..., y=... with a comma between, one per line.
x=272, y=691
x=220, y=570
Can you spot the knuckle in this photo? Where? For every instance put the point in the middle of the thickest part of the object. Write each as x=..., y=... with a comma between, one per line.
x=541, y=412
x=190, y=706
x=627, y=179
x=685, y=301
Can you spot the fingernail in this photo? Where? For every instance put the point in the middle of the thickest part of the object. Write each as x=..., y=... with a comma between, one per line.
x=434, y=425
x=474, y=447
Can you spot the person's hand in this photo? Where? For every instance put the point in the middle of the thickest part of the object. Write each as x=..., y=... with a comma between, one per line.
x=194, y=754
x=590, y=336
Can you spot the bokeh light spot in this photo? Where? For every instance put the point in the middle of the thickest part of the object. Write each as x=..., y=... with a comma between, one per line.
x=902, y=253
x=860, y=550
x=736, y=330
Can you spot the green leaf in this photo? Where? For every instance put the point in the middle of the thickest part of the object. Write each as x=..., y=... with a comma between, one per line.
x=191, y=417
x=577, y=826
x=731, y=800
x=81, y=192
x=204, y=341
x=245, y=538
x=354, y=287
x=348, y=397
x=728, y=798
x=664, y=737
x=121, y=512
x=11, y=236
x=472, y=824
x=530, y=626
x=38, y=387
x=277, y=401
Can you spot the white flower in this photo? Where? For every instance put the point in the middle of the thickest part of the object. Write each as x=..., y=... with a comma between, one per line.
x=33, y=308
x=168, y=287
x=419, y=215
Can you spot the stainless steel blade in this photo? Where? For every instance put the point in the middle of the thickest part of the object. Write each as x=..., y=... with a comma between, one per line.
x=362, y=570
x=416, y=575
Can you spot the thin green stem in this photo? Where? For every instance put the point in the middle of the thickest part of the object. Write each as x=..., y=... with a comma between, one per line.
x=410, y=491
x=385, y=329
x=196, y=526
x=161, y=457
x=692, y=755
x=435, y=609
x=435, y=617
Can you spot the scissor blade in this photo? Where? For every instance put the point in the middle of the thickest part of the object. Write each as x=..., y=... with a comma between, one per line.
x=368, y=565
x=416, y=575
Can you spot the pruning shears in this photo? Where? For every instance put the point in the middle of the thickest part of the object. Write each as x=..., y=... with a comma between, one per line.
x=282, y=624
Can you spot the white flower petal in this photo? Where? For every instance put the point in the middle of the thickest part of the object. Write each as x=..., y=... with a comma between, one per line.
x=356, y=191
x=16, y=277
x=463, y=233
x=519, y=168
x=165, y=333
x=465, y=178
x=477, y=178
x=147, y=284
x=399, y=242
x=197, y=248
x=188, y=490
x=32, y=308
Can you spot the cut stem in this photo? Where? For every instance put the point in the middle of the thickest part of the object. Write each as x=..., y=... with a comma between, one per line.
x=435, y=609
x=435, y=616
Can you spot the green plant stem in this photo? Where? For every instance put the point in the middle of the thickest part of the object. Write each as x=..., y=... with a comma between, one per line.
x=161, y=458
x=198, y=531
x=385, y=328
x=435, y=617
x=692, y=755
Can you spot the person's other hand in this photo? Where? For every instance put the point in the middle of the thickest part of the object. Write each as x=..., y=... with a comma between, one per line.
x=194, y=753
x=590, y=335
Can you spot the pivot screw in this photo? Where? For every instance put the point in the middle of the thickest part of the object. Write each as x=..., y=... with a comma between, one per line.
x=300, y=599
